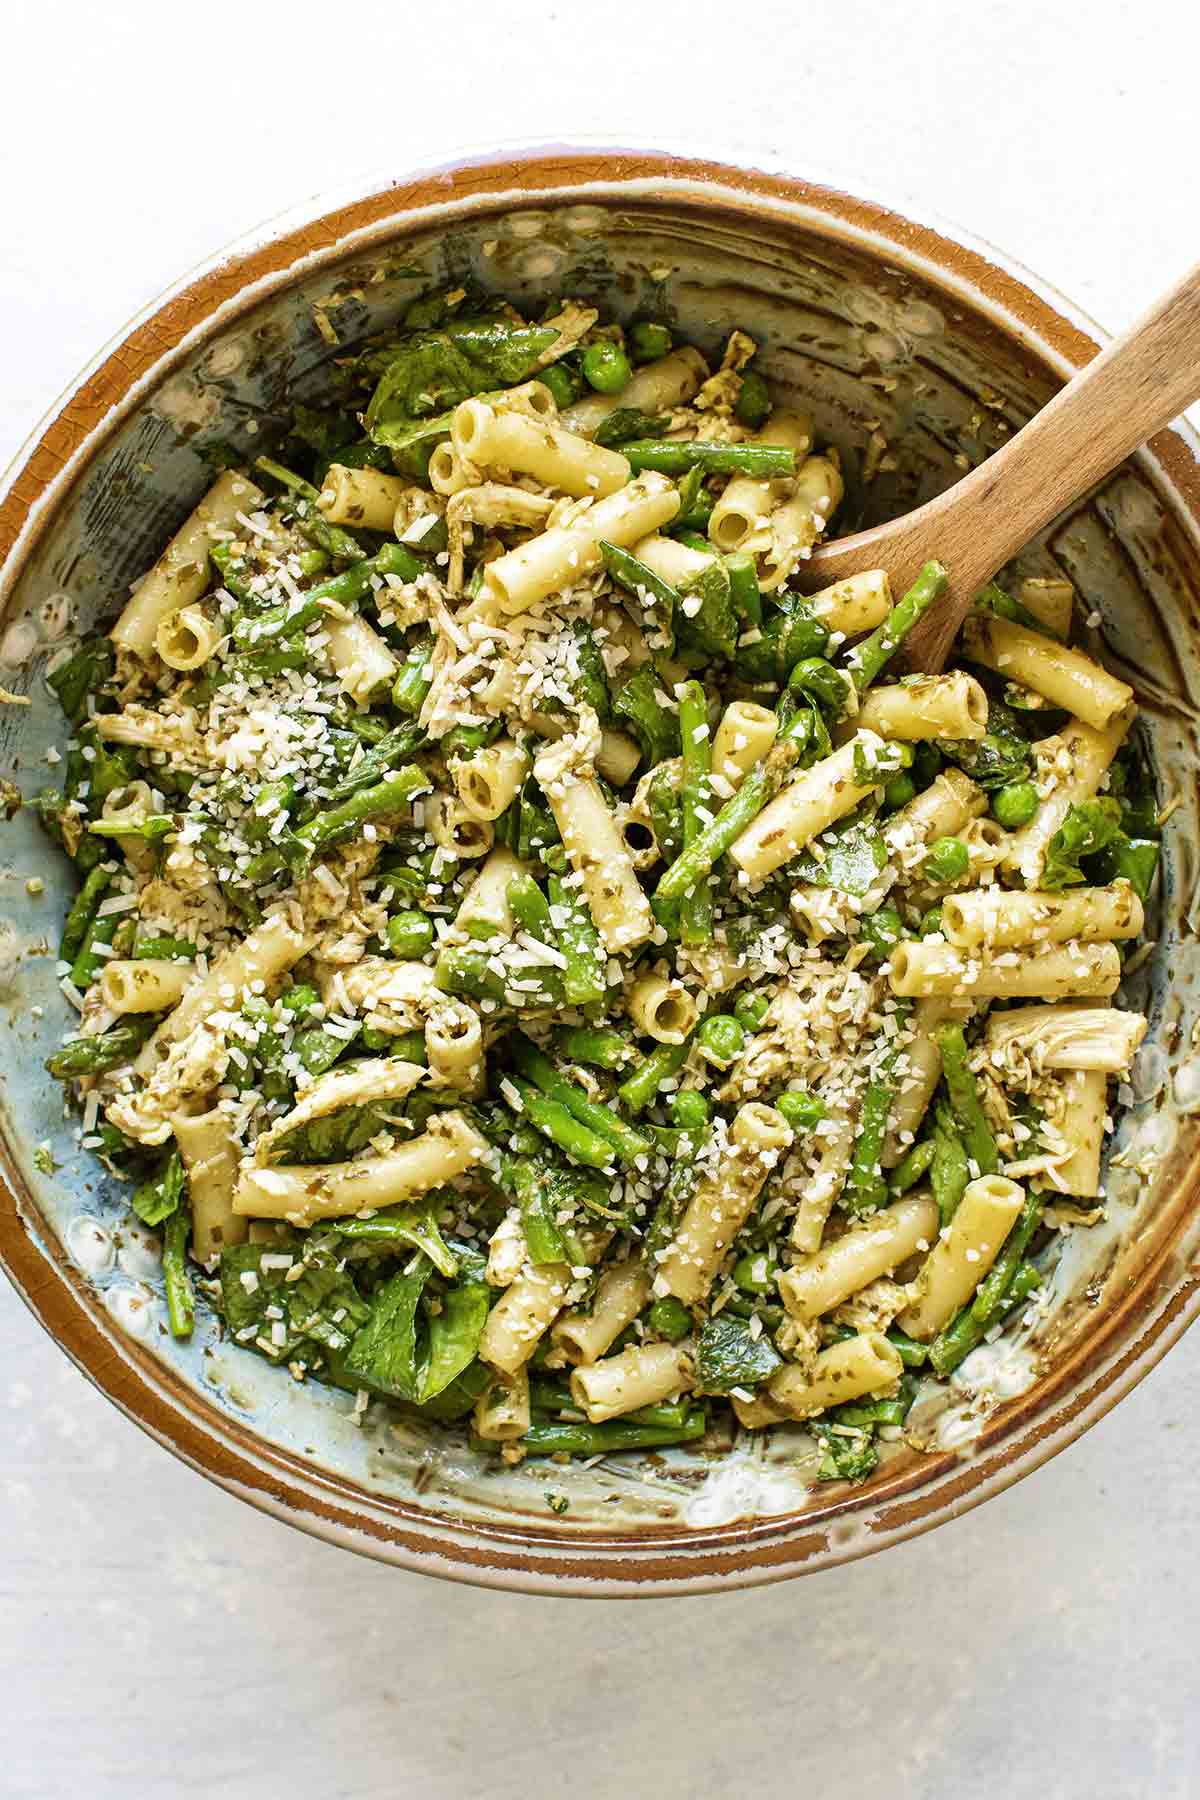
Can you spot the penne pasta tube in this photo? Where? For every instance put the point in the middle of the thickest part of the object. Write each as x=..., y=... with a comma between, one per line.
x=360, y=658
x=662, y=1008
x=186, y=639
x=926, y=706
x=596, y=851
x=454, y=1046
x=181, y=574
x=448, y=473
x=857, y=604
x=1001, y=919
x=640, y=1376
x=1050, y=600
x=488, y=782
x=963, y=1254
x=1098, y=1038
x=1067, y=678
x=620, y=1296
x=564, y=554
x=456, y=829
x=722, y=1203
x=929, y=967
x=920, y=1072
x=132, y=804
x=824, y=1185
x=745, y=506
x=268, y=952
x=808, y=805
x=861, y=1255
x=617, y=757
x=144, y=984
x=799, y=522
x=362, y=497
x=655, y=388
x=1081, y=1127
x=866, y=1364
x=940, y=810
x=302, y=1194
x=551, y=455
x=670, y=560
x=743, y=737
x=522, y=1315
x=485, y=912
x=502, y=1410
x=208, y=1153
x=1070, y=768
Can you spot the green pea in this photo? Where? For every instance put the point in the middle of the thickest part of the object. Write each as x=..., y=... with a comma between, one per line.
x=606, y=368
x=947, y=859
x=669, y=1318
x=931, y=924
x=410, y=934
x=647, y=340
x=313, y=562
x=754, y=401
x=721, y=1039
x=689, y=1109
x=801, y=1109
x=1014, y=804
x=301, y=997
x=926, y=763
x=751, y=1009
x=562, y=382
x=899, y=790
x=882, y=930
x=755, y=1273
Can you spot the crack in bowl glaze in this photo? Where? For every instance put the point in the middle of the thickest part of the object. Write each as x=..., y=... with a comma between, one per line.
x=918, y=356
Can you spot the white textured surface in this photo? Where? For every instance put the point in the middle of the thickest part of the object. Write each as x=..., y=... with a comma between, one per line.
x=159, y=1639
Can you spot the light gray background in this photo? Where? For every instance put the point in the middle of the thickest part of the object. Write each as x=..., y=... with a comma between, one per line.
x=158, y=1638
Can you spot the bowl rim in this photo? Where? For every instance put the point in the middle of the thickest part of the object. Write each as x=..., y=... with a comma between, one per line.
x=1095, y=1373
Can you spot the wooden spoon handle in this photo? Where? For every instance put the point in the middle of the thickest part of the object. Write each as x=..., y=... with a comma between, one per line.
x=1137, y=385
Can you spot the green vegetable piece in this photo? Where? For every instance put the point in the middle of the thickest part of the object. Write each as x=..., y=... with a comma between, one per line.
x=565, y=388
x=882, y=931
x=976, y=1133
x=689, y=1109
x=638, y=1090
x=911, y=1167
x=675, y=458
x=593, y=1046
x=949, y=1171
x=549, y=1438
x=648, y=340
x=158, y=1197
x=555, y=1122
x=629, y=1144
x=82, y=674
x=669, y=1318
x=947, y=860
x=382, y=1355
x=931, y=923
x=753, y=403
x=410, y=934
x=606, y=368
x=899, y=790
x=721, y=1039
x=696, y=907
x=92, y=1055
x=744, y=591
x=728, y=1357
x=801, y=1109
x=755, y=1273
x=177, y=1283
x=869, y=659
x=1014, y=804
x=1087, y=829
x=636, y=703
x=751, y=1009
x=584, y=977
x=844, y=1458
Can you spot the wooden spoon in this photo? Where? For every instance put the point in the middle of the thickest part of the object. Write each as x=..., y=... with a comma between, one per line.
x=1135, y=387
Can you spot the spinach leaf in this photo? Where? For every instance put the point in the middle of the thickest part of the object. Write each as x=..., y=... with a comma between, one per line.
x=1093, y=826
x=158, y=1197
x=309, y=1317
x=430, y=372
x=728, y=1357
x=850, y=863
x=655, y=728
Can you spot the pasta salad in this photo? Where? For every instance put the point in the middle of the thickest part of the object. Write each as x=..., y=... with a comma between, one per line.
x=535, y=965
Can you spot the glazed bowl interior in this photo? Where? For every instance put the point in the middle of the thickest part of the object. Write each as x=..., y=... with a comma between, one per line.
x=916, y=358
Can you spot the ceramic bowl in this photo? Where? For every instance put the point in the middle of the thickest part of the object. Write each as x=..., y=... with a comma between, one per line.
x=918, y=353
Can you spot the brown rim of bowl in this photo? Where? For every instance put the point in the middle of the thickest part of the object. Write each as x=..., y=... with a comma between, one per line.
x=1021, y=1435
